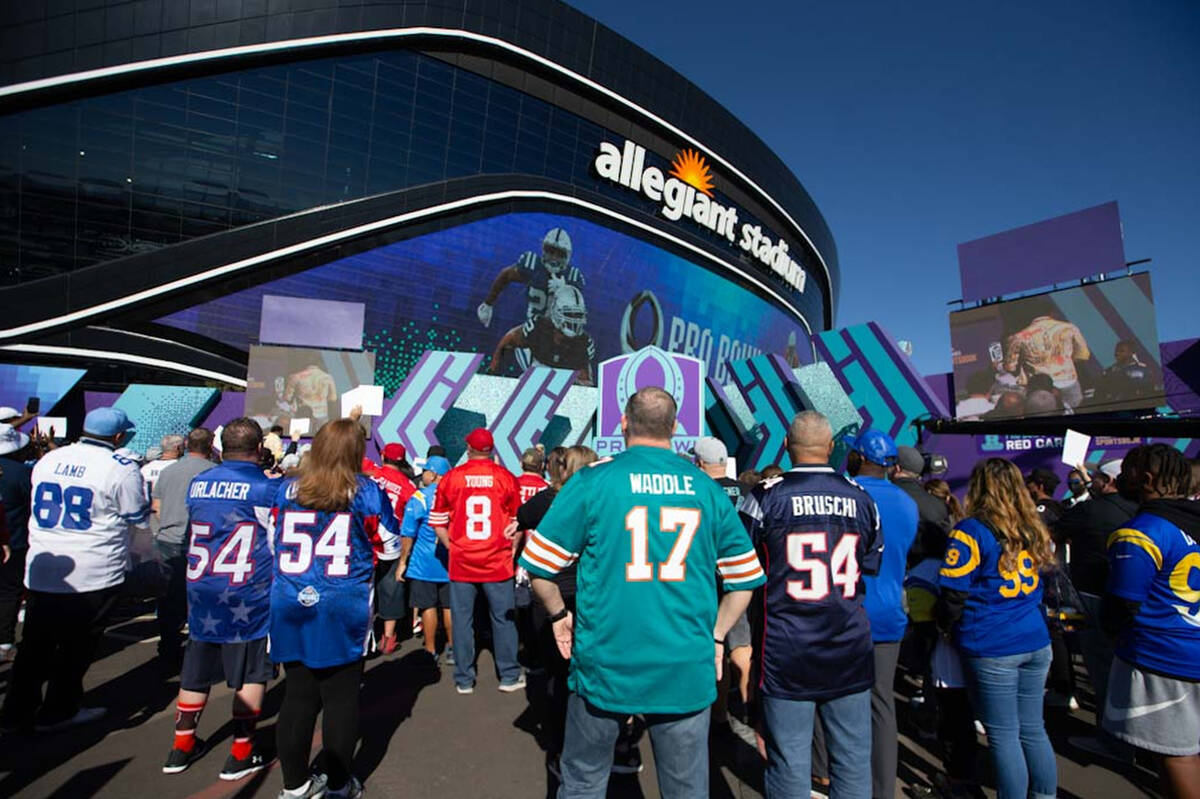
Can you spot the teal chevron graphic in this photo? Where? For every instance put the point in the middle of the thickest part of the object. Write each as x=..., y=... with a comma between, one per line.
x=879, y=379
x=162, y=410
x=527, y=414
x=774, y=396
x=412, y=414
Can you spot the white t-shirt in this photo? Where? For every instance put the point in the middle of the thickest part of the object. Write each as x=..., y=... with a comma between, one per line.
x=85, y=497
x=152, y=470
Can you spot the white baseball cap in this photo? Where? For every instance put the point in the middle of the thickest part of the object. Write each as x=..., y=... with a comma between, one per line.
x=11, y=439
x=1112, y=469
x=8, y=414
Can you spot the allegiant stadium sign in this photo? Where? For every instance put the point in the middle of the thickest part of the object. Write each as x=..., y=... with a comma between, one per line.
x=686, y=192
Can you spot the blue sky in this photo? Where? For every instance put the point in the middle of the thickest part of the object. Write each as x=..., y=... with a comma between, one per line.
x=918, y=126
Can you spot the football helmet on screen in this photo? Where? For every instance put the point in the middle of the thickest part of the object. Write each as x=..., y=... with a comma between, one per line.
x=556, y=251
x=568, y=312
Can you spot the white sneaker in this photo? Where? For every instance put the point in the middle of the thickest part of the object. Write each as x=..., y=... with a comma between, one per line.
x=465, y=689
x=512, y=687
x=86, y=715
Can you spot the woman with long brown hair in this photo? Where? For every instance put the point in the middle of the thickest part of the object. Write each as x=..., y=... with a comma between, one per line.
x=991, y=597
x=941, y=490
x=328, y=525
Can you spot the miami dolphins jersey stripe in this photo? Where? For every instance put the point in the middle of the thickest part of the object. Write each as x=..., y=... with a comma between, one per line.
x=1157, y=564
x=549, y=558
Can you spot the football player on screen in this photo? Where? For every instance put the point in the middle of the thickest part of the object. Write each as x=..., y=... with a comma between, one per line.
x=542, y=275
x=557, y=338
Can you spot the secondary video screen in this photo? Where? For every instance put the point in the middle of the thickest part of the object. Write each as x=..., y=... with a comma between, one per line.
x=1087, y=349
x=285, y=383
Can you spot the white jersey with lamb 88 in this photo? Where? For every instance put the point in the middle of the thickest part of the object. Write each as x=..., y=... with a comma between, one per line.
x=85, y=498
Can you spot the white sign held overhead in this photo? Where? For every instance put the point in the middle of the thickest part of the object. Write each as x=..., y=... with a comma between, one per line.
x=369, y=397
x=1075, y=447
x=58, y=423
x=299, y=427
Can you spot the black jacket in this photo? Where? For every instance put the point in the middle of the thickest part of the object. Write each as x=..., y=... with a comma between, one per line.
x=1086, y=527
x=933, y=525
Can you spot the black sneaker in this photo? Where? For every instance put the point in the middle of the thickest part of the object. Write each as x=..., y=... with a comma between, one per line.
x=235, y=769
x=178, y=760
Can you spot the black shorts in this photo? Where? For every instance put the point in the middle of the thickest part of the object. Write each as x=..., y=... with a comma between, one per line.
x=423, y=594
x=206, y=663
x=389, y=592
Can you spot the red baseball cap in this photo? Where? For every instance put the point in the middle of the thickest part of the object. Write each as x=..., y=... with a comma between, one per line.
x=480, y=440
x=394, y=452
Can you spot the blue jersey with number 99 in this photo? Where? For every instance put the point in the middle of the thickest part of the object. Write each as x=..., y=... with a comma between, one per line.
x=229, y=553
x=321, y=600
x=1003, y=613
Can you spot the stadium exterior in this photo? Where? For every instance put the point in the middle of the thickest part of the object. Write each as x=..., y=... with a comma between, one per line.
x=164, y=166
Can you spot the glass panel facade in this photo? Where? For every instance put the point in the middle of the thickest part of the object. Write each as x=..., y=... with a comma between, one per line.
x=100, y=178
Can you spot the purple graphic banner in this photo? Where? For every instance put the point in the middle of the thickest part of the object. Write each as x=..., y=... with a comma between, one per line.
x=530, y=407
x=1067, y=247
x=620, y=377
x=303, y=322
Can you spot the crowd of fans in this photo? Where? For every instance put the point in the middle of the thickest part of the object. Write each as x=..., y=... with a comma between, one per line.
x=628, y=582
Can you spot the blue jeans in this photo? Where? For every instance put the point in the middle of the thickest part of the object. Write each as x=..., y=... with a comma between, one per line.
x=788, y=733
x=1007, y=694
x=504, y=629
x=680, y=751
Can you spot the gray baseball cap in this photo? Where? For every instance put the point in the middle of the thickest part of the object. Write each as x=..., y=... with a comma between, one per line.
x=910, y=459
x=710, y=450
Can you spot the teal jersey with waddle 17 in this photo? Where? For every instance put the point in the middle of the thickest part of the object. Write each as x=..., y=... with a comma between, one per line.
x=649, y=531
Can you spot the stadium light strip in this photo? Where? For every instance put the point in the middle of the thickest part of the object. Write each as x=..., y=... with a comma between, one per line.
x=380, y=224
x=402, y=33
x=79, y=352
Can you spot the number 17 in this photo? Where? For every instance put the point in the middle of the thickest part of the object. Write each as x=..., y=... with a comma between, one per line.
x=682, y=521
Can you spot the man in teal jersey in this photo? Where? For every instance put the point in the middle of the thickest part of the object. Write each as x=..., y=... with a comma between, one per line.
x=648, y=530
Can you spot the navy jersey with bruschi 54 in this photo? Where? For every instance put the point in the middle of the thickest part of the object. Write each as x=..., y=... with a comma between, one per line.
x=817, y=533
x=1003, y=612
x=1156, y=563
x=321, y=601
x=229, y=553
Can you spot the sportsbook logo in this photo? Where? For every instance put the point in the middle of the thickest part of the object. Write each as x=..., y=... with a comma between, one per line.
x=687, y=192
x=679, y=375
x=308, y=596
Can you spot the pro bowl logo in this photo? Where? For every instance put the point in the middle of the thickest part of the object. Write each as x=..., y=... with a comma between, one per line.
x=679, y=375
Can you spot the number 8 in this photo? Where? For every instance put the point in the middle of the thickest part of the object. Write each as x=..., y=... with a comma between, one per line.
x=479, y=518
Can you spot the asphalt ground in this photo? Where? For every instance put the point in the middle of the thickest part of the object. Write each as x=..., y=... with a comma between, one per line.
x=418, y=738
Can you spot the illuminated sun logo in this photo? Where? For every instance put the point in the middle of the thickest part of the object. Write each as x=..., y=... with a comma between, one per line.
x=690, y=167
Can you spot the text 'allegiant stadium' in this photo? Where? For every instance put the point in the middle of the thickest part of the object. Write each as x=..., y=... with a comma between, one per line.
x=687, y=192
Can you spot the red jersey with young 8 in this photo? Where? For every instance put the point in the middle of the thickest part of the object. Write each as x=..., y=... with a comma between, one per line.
x=476, y=501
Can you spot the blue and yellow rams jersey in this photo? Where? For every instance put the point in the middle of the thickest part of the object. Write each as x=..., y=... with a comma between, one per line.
x=1156, y=563
x=1003, y=613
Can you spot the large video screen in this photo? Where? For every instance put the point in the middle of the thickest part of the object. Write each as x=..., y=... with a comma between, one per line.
x=565, y=292
x=1087, y=349
x=285, y=383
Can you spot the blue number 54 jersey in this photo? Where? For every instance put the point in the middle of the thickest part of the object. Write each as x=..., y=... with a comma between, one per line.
x=229, y=553
x=1156, y=562
x=321, y=601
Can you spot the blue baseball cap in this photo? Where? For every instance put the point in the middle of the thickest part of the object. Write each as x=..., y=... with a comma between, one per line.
x=106, y=422
x=876, y=446
x=437, y=464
